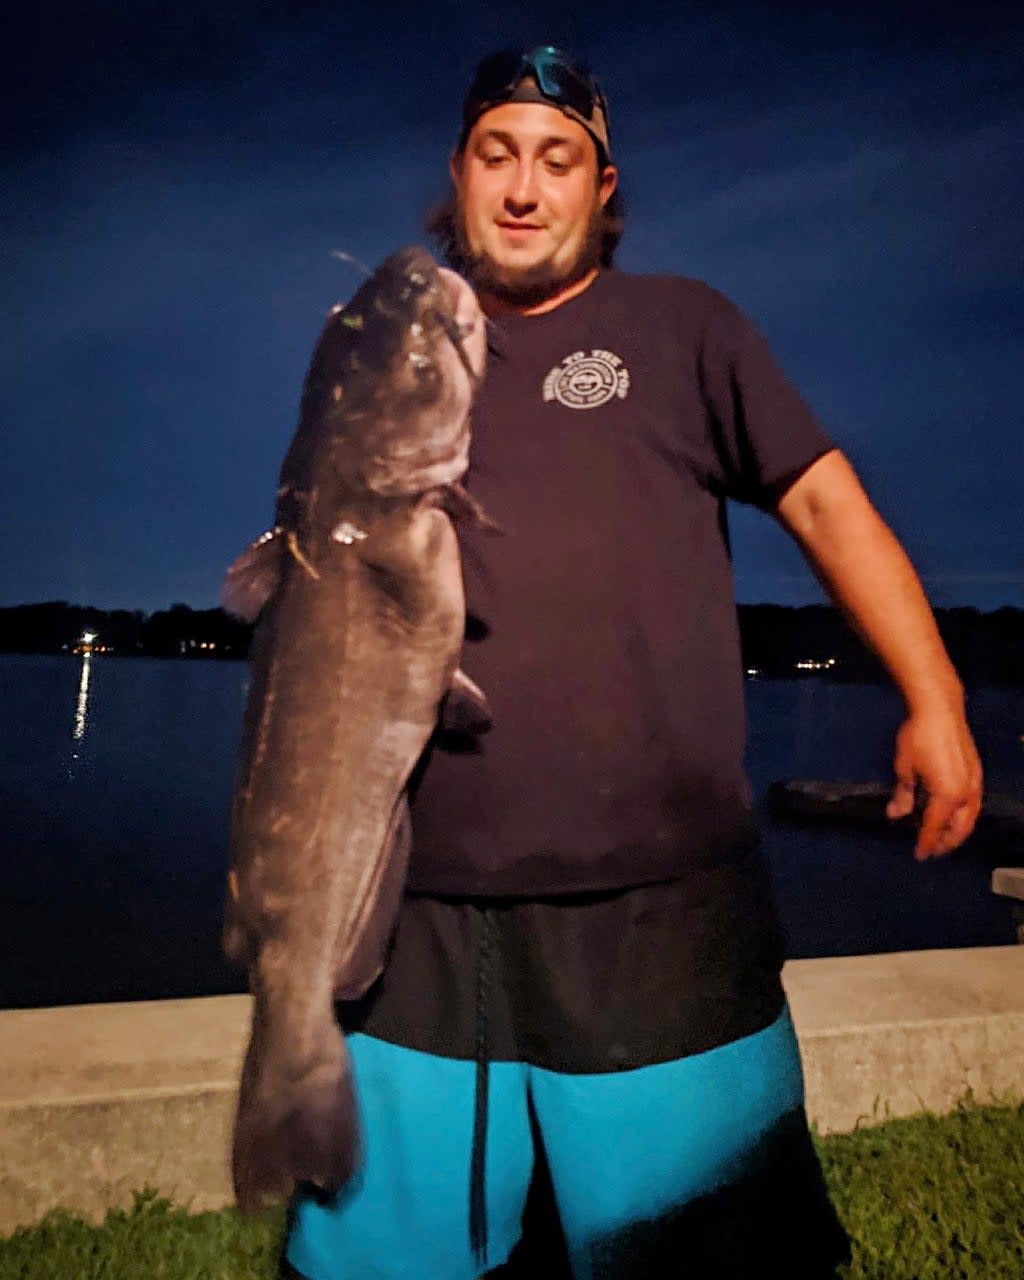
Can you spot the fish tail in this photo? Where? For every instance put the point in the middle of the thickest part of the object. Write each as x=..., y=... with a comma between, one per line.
x=296, y=1120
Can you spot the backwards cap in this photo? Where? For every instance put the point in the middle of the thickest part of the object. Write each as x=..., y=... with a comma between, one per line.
x=543, y=74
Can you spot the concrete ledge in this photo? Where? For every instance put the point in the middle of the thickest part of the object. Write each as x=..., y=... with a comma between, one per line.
x=907, y=1031
x=99, y=1100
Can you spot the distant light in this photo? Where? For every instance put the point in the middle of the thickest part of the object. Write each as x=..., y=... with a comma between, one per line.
x=813, y=664
x=88, y=637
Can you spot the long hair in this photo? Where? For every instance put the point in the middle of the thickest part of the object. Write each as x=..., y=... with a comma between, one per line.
x=442, y=227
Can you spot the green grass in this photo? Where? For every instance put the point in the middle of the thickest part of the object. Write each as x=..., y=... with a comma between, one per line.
x=925, y=1198
x=932, y=1197
x=153, y=1240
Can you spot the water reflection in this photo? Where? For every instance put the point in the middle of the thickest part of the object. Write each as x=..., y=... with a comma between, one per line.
x=82, y=704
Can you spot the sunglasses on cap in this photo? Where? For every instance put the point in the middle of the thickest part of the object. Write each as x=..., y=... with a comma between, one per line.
x=561, y=82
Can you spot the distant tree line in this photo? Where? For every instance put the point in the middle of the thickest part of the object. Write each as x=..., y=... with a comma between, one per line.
x=987, y=648
x=177, y=632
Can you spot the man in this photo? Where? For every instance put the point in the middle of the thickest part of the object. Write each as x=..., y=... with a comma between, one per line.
x=584, y=983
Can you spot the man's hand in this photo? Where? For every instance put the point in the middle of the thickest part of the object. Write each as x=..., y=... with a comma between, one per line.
x=935, y=751
x=868, y=575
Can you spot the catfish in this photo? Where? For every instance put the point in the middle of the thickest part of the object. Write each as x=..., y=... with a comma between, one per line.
x=358, y=590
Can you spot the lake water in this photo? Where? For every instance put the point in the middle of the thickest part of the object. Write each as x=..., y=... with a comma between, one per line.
x=116, y=781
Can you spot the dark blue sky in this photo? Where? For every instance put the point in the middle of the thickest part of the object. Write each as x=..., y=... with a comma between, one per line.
x=177, y=176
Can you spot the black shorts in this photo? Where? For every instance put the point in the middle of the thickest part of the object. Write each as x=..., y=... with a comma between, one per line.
x=624, y=1057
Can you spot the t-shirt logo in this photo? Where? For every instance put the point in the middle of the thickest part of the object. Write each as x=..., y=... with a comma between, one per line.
x=584, y=381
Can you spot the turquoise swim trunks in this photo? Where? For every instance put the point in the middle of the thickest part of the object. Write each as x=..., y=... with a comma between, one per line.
x=628, y=1053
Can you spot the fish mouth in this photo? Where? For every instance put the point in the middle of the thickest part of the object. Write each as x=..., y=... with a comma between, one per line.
x=462, y=301
x=411, y=371
x=394, y=470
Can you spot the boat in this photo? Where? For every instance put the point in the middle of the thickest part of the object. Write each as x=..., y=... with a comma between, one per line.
x=861, y=805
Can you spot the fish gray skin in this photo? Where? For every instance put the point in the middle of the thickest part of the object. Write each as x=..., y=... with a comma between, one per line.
x=363, y=616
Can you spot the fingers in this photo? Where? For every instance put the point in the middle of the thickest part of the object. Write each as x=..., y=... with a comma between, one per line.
x=901, y=802
x=947, y=823
x=940, y=814
x=941, y=758
x=955, y=812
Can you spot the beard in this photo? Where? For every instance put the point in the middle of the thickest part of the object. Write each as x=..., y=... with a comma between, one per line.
x=528, y=286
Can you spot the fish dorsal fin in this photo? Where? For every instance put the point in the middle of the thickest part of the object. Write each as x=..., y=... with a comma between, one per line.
x=254, y=577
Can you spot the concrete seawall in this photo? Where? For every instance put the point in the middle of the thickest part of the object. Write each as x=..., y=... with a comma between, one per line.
x=99, y=1100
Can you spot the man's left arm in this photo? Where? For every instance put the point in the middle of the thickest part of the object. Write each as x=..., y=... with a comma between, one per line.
x=869, y=576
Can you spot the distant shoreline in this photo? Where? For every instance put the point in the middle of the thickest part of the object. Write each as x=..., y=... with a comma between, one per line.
x=778, y=641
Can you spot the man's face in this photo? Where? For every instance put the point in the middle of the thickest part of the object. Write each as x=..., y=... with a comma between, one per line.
x=529, y=200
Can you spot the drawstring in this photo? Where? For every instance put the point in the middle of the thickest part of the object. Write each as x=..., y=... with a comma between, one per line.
x=478, y=1161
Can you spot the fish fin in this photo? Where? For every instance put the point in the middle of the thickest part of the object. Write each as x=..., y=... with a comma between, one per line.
x=465, y=709
x=361, y=968
x=294, y=1122
x=253, y=578
x=235, y=940
x=461, y=505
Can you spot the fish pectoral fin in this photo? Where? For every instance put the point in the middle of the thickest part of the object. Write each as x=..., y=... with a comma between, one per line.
x=254, y=577
x=465, y=709
x=461, y=505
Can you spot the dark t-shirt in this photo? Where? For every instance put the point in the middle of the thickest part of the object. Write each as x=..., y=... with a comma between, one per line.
x=602, y=624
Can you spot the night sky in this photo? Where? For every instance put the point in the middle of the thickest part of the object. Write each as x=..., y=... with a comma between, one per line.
x=176, y=176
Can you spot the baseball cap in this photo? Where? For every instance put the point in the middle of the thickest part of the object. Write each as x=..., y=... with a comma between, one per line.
x=543, y=74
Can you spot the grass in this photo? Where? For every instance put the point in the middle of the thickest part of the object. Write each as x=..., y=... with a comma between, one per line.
x=925, y=1198
x=154, y=1240
x=932, y=1197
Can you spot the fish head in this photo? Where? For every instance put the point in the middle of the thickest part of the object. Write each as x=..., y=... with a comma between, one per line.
x=413, y=362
